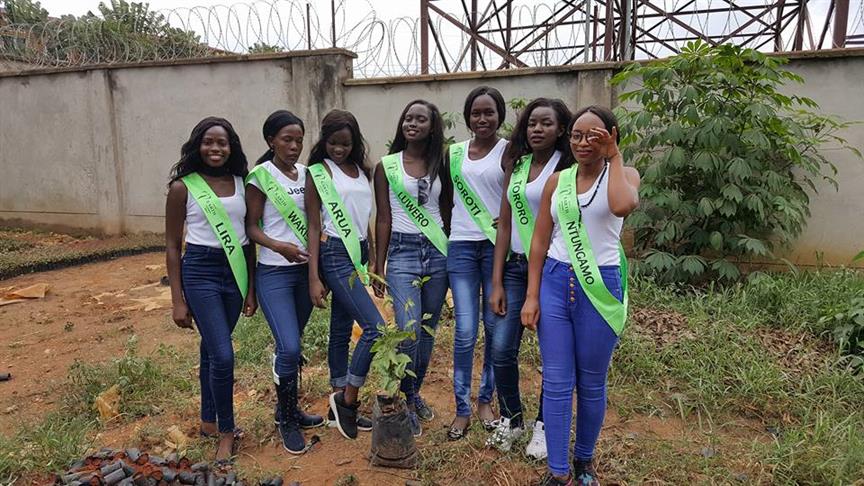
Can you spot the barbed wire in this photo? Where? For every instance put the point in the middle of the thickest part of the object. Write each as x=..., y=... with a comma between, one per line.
x=385, y=47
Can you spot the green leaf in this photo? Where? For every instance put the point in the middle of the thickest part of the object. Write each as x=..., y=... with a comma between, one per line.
x=716, y=240
x=706, y=207
x=692, y=264
x=726, y=270
x=732, y=193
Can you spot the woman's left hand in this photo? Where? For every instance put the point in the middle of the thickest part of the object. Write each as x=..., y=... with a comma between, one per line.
x=250, y=305
x=603, y=142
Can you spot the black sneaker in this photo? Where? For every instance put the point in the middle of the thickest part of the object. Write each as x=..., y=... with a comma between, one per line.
x=424, y=412
x=550, y=480
x=414, y=423
x=310, y=421
x=345, y=416
x=364, y=424
x=583, y=472
x=289, y=429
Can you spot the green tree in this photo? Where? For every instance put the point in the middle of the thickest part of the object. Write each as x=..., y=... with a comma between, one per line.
x=729, y=162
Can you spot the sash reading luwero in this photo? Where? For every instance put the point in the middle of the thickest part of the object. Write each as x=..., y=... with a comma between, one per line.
x=282, y=201
x=418, y=214
x=341, y=218
x=218, y=218
x=613, y=311
x=519, y=202
x=481, y=216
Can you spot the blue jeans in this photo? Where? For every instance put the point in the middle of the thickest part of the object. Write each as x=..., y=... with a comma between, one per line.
x=469, y=264
x=283, y=293
x=215, y=303
x=576, y=344
x=507, y=336
x=351, y=302
x=410, y=259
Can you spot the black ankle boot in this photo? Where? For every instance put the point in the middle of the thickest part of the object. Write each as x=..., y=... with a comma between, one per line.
x=289, y=428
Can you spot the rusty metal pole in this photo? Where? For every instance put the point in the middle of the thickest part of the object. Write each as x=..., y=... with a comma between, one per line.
x=424, y=36
x=309, y=25
x=626, y=24
x=333, y=22
x=587, y=8
x=798, y=42
x=474, y=31
x=507, y=37
x=607, y=38
x=841, y=19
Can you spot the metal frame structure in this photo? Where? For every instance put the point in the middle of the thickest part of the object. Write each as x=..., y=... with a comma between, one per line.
x=615, y=30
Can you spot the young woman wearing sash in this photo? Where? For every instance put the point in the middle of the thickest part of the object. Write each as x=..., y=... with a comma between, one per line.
x=339, y=205
x=539, y=146
x=581, y=288
x=212, y=283
x=477, y=171
x=412, y=195
x=276, y=220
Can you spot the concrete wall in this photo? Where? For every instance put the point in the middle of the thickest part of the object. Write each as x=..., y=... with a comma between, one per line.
x=91, y=148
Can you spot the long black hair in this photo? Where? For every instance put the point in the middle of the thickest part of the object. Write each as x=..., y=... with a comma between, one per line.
x=277, y=120
x=519, y=137
x=334, y=121
x=608, y=118
x=434, y=143
x=493, y=93
x=190, y=154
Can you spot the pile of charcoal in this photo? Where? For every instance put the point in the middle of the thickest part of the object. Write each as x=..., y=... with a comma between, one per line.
x=131, y=467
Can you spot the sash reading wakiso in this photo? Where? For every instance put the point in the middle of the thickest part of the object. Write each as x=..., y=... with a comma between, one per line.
x=418, y=214
x=519, y=202
x=341, y=218
x=218, y=218
x=481, y=216
x=282, y=201
x=581, y=254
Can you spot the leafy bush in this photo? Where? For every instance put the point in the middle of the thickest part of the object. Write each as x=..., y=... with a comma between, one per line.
x=728, y=161
x=847, y=330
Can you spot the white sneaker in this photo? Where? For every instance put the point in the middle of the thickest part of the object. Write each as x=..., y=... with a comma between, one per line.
x=504, y=435
x=536, y=449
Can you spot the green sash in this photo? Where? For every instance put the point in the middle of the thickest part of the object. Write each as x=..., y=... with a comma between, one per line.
x=341, y=218
x=218, y=218
x=520, y=209
x=418, y=214
x=282, y=201
x=614, y=312
x=481, y=216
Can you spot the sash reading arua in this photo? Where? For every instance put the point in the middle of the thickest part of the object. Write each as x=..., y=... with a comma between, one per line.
x=418, y=214
x=479, y=213
x=613, y=311
x=282, y=201
x=218, y=218
x=341, y=218
x=519, y=202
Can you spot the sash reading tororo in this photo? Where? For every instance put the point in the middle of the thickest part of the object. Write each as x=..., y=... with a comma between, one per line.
x=613, y=311
x=218, y=218
x=341, y=218
x=479, y=213
x=418, y=214
x=519, y=202
x=282, y=201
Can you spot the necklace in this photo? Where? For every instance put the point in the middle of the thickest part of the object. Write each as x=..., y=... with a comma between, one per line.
x=596, y=187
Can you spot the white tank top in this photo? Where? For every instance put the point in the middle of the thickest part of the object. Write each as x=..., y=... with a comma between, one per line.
x=199, y=231
x=400, y=222
x=274, y=224
x=604, y=228
x=356, y=194
x=533, y=193
x=486, y=178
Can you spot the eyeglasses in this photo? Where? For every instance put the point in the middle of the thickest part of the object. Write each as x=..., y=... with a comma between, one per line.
x=422, y=191
x=577, y=137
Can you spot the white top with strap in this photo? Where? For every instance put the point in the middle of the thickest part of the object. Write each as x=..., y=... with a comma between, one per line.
x=198, y=229
x=356, y=194
x=400, y=221
x=486, y=178
x=533, y=193
x=603, y=227
x=274, y=224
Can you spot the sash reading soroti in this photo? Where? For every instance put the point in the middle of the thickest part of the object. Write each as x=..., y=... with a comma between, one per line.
x=417, y=213
x=481, y=216
x=613, y=311
x=282, y=201
x=521, y=211
x=341, y=218
x=218, y=218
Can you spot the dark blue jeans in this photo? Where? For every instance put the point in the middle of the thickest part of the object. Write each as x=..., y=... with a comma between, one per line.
x=576, y=344
x=507, y=337
x=351, y=302
x=215, y=303
x=469, y=265
x=411, y=259
x=283, y=293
